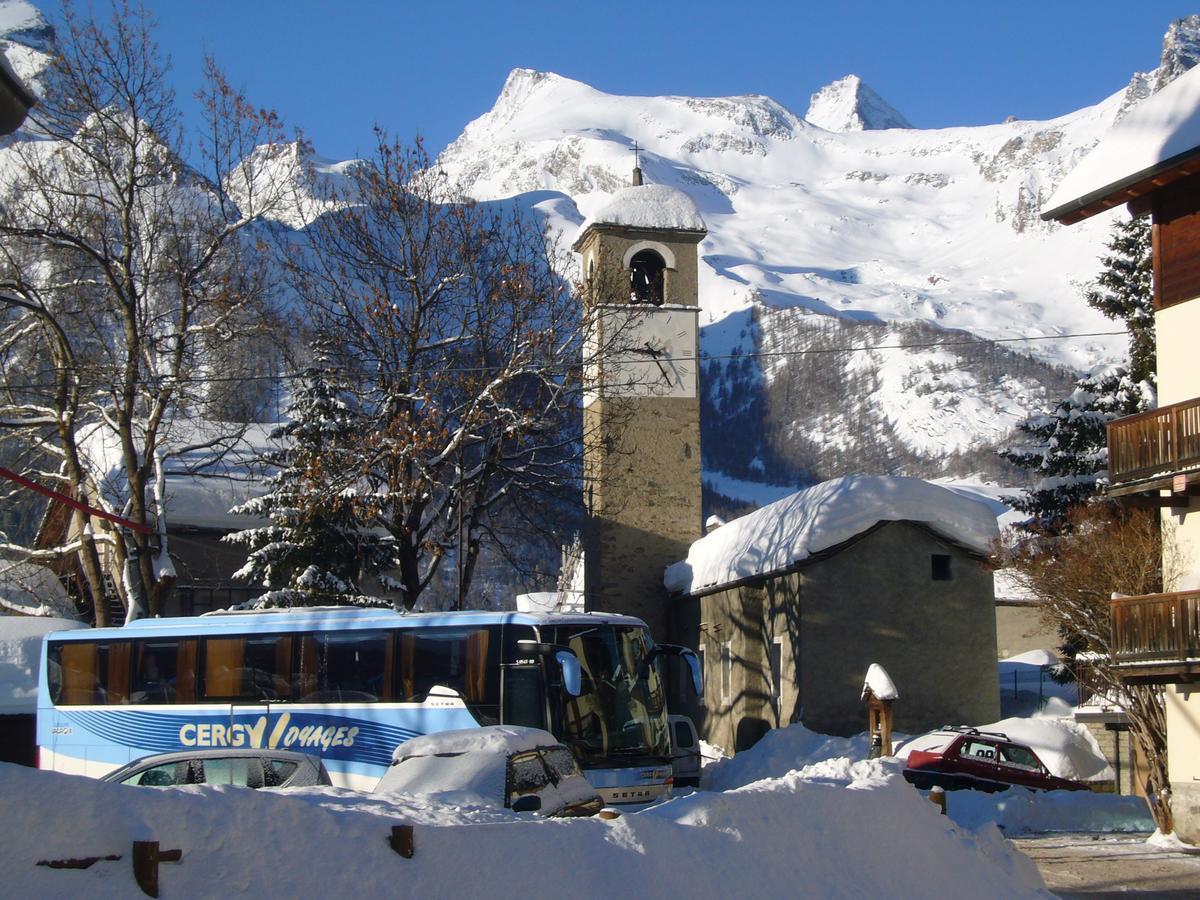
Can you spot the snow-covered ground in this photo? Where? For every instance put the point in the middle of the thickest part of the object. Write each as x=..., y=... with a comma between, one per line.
x=837, y=838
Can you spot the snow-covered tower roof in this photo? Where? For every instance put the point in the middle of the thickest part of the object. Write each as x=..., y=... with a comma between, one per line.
x=1156, y=143
x=651, y=206
x=788, y=531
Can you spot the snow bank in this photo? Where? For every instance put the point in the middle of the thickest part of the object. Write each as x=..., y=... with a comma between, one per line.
x=794, y=528
x=20, y=657
x=649, y=206
x=781, y=750
x=785, y=833
x=1033, y=658
x=1018, y=811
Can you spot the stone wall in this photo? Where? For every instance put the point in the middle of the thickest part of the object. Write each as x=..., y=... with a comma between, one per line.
x=874, y=600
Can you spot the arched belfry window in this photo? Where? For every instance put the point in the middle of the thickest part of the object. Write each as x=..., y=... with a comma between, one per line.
x=646, y=271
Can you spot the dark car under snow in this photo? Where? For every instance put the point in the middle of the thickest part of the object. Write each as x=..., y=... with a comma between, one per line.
x=957, y=757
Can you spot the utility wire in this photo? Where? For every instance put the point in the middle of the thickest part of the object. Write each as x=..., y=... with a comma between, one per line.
x=704, y=358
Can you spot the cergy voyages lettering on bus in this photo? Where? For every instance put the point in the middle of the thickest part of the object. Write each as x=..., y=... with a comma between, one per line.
x=283, y=734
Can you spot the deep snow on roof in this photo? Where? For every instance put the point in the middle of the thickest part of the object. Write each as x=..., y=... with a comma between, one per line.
x=1154, y=132
x=880, y=683
x=792, y=529
x=498, y=739
x=649, y=206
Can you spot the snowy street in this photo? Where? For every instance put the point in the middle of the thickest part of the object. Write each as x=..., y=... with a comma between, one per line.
x=1106, y=865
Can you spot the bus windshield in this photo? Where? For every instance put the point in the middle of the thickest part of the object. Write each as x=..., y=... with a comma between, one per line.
x=620, y=714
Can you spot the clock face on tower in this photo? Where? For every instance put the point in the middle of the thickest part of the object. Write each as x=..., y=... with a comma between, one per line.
x=654, y=354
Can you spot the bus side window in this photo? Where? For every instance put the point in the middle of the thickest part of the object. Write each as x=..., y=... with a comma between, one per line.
x=163, y=671
x=75, y=673
x=90, y=672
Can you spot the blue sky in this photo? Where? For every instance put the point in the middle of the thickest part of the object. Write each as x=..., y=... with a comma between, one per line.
x=335, y=69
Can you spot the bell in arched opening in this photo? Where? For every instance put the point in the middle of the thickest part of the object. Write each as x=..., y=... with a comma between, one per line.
x=646, y=278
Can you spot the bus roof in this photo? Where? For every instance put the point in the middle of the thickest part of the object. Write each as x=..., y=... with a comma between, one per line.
x=327, y=618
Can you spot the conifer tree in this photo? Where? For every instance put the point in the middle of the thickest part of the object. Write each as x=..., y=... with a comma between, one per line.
x=1124, y=292
x=314, y=549
x=1066, y=449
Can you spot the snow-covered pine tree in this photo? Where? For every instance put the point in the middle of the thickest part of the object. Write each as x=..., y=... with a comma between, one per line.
x=1124, y=292
x=314, y=549
x=1066, y=449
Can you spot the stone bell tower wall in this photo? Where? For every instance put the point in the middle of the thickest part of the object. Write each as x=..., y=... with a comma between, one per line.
x=643, y=500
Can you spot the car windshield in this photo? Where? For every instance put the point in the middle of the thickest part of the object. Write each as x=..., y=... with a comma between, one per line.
x=620, y=713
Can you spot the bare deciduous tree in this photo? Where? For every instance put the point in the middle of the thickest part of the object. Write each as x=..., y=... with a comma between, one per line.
x=465, y=348
x=126, y=261
x=1107, y=550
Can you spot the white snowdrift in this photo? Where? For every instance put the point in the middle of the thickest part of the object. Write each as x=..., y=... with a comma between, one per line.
x=788, y=833
x=794, y=528
x=781, y=750
x=20, y=657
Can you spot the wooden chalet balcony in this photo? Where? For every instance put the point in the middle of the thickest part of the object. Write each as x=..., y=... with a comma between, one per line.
x=1146, y=451
x=1156, y=637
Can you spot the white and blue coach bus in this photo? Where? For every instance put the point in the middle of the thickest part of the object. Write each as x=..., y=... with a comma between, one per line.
x=349, y=684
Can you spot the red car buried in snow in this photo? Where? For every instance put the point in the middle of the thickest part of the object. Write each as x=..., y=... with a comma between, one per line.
x=955, y=757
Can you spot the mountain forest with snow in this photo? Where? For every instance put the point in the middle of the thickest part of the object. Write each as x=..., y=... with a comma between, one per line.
x=876, y=298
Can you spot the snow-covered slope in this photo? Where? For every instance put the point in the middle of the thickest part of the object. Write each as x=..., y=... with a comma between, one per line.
x=855, y=223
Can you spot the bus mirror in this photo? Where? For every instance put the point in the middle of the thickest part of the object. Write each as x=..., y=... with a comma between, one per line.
x=694, y=667
x=572, y=674
x=693, y=663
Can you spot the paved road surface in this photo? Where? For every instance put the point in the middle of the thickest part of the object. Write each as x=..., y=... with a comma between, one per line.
x=1111, y=866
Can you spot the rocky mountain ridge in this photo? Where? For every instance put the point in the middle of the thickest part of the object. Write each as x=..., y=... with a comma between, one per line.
x=866, y=230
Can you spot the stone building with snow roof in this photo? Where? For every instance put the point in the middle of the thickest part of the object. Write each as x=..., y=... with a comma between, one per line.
x=1150, y=162
x=792, y=603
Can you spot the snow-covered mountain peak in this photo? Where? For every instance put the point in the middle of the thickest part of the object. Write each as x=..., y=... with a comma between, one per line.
x=26, y=40
x=1181, y=50
x=849, y=104
x=22, y=23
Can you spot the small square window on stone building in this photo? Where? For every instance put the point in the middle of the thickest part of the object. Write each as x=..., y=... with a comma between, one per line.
x=941, y=567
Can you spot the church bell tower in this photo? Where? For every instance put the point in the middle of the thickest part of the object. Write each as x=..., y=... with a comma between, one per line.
x=642, y=406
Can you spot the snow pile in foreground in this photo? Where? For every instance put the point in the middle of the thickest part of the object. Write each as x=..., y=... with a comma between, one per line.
x=20, y=656
x=1018, y=811
x=780, y=751
x=786, y=832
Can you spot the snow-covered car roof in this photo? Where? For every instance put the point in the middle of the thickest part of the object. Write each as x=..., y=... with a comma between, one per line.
x=497, y=739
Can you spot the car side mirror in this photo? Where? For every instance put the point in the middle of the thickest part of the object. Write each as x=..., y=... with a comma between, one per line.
x=528, y=803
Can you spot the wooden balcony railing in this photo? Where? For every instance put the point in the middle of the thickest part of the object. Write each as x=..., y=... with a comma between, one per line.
x=1157, y=633
x=1162, y=442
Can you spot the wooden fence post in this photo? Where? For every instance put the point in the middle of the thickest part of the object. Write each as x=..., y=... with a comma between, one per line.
x=402, y=840
x=146, y=857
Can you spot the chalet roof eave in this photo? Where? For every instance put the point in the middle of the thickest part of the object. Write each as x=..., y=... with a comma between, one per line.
x=1129, y=188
